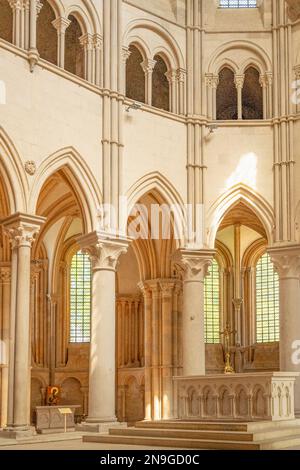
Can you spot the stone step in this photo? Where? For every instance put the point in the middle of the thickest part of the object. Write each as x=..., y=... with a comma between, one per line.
x=280, y=444
x=183, y=434
x=166, y=442
x=193, y=425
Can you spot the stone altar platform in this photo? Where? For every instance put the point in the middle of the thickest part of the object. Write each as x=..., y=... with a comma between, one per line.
x=50, y=420
x=264, y=396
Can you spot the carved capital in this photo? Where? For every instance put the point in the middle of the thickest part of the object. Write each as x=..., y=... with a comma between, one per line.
x=97, y=41
x=167, y=288
x=148, y=65
x=171, y=76
x=286, y=260
x=181, y=75
x=194, y=264
x=5, y=274
x=16, y=4
x=125, y=54
x=103, y=249
x=22, y=229
x=143, y=286
x=297, y=72
x=61, y=24
x=211, y=80
x=239, y=81
x=87, y=41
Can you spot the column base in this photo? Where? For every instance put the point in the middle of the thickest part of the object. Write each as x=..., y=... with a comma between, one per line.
x=99, y=425
x=18, y=433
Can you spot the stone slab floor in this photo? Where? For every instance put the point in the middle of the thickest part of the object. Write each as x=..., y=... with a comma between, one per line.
x=71, y=441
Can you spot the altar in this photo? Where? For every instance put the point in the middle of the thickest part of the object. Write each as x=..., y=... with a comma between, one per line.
x=51, y=419
x=262, y=396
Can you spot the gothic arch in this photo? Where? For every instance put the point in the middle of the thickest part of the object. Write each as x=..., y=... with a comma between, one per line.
x=13, y=174
x=141, y=45
x=156, y=182
x=227, y=201
x=87, y=189
x=58, y=8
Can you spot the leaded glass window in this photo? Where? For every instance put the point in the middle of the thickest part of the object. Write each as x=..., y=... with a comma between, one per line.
x=238, y=3
x=267, y=301
x=212, y=304
x=80, y=299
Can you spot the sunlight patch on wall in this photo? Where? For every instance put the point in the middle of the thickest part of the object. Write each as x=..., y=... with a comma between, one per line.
x=245, y=172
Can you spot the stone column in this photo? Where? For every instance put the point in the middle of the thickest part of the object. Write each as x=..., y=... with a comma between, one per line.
x=17, y=7
x=104, y=251
x=87, y=42
x=147, y=348
x=286, y=260
x=21, y=230
x=5, y=279
x=181, y=76
x=61, y=24
x=239, y=83
x=172, y=79
x=167, y=288
x=97, y=58
x=263, y=83
x=148, y=66
x=194, y=265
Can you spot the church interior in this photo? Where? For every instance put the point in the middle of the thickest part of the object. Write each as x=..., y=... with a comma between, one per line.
x=114, y=326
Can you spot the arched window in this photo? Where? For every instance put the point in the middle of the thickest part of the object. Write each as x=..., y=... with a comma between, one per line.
x=135, y=76
x=46, y=34
x=212, y=304
x=226, y=96
x=160, y=85
x=80, y=298
x=238, y=3
x=74, y=53
x=6, y=21
x=267, y=301
x=252, y=95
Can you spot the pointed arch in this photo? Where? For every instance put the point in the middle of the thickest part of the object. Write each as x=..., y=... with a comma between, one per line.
x=13, y=174
x=251, y=199
x=158, y=183
x=78, y=172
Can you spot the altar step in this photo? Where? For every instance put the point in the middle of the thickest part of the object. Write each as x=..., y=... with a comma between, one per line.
x=205, y=436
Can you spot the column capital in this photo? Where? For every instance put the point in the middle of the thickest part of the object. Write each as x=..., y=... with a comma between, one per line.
x=167, y=287
x=5, y=274
x=22, y=229
x=143, y=286
x=61, y=24
x=148, y=65
x=181, y=75
x=97, y=41
x=103, y=249
x=87, y=41
x=16, y=4
x=126, y=53
x=211, y=80
x=263, y=80
x=172, y=75
x=239, y=81
x=286, y=260
x=194, y=264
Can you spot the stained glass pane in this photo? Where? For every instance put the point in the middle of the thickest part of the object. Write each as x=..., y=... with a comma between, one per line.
x=238, y=3
x=80, y=299
x=212, y=304
x=267, y=301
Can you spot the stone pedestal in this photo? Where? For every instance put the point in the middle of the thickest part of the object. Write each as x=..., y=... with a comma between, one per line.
x=50, y=420
x=264, y=396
